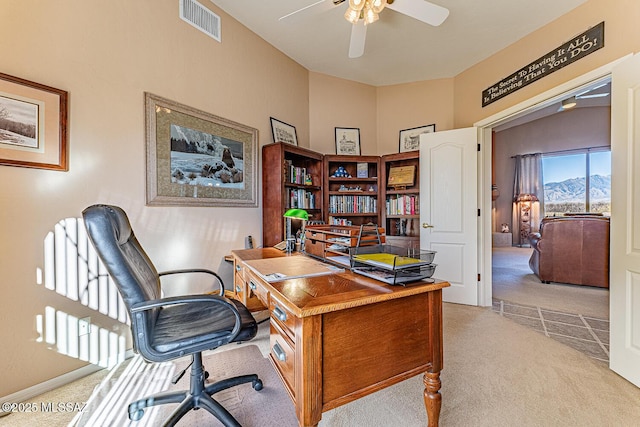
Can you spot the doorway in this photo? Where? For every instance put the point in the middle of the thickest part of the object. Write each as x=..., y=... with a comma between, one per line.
x=570, y=143
x=485, y=130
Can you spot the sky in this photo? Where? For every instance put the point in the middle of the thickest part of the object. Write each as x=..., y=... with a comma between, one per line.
x=560, y=168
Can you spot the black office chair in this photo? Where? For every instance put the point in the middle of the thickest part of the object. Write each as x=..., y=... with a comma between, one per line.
x=168, y=328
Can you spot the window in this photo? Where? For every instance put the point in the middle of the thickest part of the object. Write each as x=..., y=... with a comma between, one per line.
x=577, y=182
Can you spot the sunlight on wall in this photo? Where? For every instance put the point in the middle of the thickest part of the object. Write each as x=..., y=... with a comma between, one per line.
x=72, y=269
x=61, y=332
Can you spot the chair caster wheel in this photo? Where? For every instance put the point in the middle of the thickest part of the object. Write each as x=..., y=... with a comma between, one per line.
x=136, y=415
x=206, y=375
x=257, y=385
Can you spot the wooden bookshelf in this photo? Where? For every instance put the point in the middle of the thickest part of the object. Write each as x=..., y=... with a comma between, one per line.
x=401, y=204
x=291, y=178
x=353, y=199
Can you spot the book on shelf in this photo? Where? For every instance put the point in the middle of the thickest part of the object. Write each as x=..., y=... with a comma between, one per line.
x=353, y=204
x=403, y=205
x=301, y=199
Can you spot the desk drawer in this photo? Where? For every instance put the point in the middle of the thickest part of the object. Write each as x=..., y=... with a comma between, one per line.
x=283, y=356
x=283, y=317
x=255, y=288
x=314, y=247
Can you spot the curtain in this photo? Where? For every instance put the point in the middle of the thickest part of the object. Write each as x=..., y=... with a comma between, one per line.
x=527, y=180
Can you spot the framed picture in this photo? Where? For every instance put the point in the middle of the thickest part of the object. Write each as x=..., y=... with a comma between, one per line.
x=348, y=141
x=197, y=159
x=33, y=124
x=410, y=138
x=283, y=132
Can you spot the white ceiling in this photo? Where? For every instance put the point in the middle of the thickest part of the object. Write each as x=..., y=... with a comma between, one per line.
x=398, y=49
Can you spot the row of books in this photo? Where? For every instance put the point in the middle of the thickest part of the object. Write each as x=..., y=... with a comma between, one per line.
x=296, y=174
x=353, y=204
x=301, y=199
x=403, y=205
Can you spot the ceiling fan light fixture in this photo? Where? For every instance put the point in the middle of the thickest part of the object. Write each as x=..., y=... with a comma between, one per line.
x=357, y=5
x=352, y=15
x=370, y=16
x=367, y=10
x=378, y=5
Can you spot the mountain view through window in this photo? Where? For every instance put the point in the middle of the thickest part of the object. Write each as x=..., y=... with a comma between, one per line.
x=566, y=187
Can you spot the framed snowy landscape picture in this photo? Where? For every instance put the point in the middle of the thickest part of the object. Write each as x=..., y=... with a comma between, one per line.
x=197, y=159
x=33, y=124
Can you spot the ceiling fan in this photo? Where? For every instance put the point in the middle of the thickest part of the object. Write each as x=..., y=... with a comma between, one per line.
x=600, y=91
x=361, y=13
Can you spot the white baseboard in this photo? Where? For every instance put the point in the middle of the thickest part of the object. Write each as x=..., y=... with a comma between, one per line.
x=64, y=379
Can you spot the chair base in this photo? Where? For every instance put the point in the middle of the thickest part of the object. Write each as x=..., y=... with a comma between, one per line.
x=197, y=397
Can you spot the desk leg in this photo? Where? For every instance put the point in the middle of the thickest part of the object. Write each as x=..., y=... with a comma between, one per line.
x=432, y=397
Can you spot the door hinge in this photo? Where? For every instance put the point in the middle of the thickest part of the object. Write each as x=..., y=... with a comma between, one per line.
x=478, y=147
x=478, y=212
x=478, y=277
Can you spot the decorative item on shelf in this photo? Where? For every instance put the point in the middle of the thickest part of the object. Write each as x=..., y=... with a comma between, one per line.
x=341, y=172
x=356, y=189
x=504, y=228
x=289, y=215
x=525, y=202
x=401, y=176
x=363, y=170
x=308, y=180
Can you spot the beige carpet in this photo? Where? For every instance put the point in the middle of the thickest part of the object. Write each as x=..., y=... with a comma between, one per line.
x=497, y=373
x=514, y=281
x=109, y=404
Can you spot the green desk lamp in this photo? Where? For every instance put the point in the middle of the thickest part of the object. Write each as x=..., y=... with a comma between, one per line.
x=288, y=215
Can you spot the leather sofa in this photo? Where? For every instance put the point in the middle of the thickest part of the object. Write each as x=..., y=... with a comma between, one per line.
x=572, y=249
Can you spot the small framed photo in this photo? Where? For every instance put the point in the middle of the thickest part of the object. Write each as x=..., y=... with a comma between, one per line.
x=410, y=138
x=33, y=124
x=348, y=141
x=283, y=132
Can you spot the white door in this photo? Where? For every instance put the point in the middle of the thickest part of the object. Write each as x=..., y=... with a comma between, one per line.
x=624, y=296
x=449, y=209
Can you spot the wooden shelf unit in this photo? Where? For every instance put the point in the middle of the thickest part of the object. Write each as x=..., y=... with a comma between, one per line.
x=279, y=187
x=358, y=207
x=402, y=225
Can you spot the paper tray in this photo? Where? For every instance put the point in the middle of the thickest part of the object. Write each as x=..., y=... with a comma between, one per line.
x=398, y=277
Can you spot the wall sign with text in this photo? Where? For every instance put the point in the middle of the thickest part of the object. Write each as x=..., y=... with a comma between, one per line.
x=579, y=47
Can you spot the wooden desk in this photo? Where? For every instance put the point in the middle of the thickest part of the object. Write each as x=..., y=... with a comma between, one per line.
x=336, y=338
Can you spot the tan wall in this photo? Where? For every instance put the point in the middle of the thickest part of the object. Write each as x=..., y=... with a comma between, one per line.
x=621, y=19
x=411, y=105
x=106, y=55
x=335, y=102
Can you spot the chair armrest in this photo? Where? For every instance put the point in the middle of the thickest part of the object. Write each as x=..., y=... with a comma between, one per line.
x=189, y=299
x=196, y=270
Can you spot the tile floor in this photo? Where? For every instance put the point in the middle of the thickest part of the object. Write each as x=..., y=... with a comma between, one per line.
x=585, y=334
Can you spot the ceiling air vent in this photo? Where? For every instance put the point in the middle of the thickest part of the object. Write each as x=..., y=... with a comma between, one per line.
x=200, y=17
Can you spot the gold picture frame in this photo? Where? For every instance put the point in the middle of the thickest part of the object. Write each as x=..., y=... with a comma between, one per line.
x=198, y=159
x=33, y=124
x=401, y=176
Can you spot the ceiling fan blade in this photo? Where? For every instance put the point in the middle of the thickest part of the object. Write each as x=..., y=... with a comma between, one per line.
x=316, y=7
x=421, y=10
x=358, y=37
